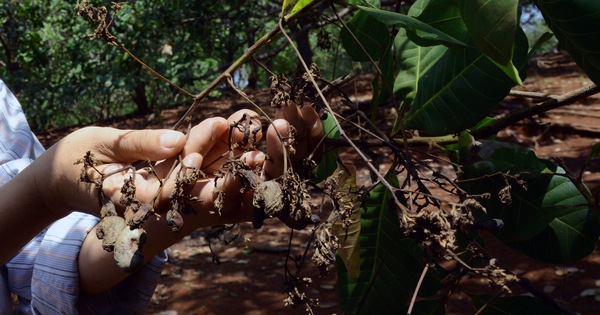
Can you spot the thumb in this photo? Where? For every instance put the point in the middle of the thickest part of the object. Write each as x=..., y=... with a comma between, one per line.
x=134, y=145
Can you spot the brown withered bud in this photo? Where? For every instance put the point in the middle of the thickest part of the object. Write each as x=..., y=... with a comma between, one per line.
x=108, y=230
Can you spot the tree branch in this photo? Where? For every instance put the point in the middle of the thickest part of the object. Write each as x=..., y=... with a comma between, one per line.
x=266, y=39
x=552, y=103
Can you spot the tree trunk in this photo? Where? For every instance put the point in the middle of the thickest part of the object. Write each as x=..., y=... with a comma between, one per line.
x=303, y=41
x=139, y=97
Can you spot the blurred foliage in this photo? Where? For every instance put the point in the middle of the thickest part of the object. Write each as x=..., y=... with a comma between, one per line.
x=63, y=78
x=535, y=27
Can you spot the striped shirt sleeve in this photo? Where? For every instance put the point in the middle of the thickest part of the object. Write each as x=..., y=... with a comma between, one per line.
x=18, y=146
x=44, y=274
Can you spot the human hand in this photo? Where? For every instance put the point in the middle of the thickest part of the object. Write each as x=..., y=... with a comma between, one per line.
x=57, y=177
x=211, y=152
x=206, y=148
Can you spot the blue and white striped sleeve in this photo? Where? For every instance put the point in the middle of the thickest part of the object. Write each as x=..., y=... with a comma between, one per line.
x=44, y=274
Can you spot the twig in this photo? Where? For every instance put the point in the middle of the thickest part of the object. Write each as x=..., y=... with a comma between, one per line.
x=525, y=284
x=341, y=131
x=552, y=103
x=414, y=297
x=98, y=15
x=266, y=39
x=415, y=141
x=577, y=181
x=574, y=113
x=182, y=90
x=531, y=94
x=484, y=306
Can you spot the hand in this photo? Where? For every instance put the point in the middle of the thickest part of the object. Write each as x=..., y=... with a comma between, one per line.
x=114, y=149
x=307, y=139
x=212, y=152
x=57, y=176
x=49, y=188
x=207, y=147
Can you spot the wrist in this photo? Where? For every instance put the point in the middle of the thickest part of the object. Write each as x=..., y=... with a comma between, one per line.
x=46, y=189
x=56, y=182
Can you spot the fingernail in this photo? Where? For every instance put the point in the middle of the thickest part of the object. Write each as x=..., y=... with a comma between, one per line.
x=170, y=139
x=192, y=161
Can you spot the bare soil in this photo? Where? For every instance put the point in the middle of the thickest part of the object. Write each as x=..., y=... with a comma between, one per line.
x=250, y=277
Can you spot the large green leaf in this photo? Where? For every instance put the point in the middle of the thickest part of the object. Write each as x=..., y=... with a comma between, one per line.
x=416, y=59
x=492, y=25
x=328, y=162
x=548, y=218
x=373, y=37
x=423, y=30
x=390, y=263
x=576, y=24
x=291, y=8
x=449, y=89
x=383, y=83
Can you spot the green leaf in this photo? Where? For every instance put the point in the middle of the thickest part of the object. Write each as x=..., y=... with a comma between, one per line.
x=484, y=122
x=328, y=162
x=326, y=166
x=595, y=152
x=569, y=237
x=492, y=24
x=423, y=30
x=510, y=70
x=448, y=90
x=291, y=8
x=416, y=58
x=440, y=14
x=545, y=37
x=548, y=218
x=513, y=305
x=413, y=61
x=383, y=84
x=372, y=35
x=576, y=25
x=330, y=128
x=390, y=263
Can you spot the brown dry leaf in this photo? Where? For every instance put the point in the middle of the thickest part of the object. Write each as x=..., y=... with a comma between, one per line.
x=348, y=238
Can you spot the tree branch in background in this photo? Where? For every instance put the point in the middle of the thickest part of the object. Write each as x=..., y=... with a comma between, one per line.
x=551, y=103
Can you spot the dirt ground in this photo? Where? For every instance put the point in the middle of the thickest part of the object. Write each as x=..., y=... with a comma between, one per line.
x=250, y=277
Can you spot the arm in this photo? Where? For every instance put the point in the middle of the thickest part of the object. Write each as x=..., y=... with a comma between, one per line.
x=23, y=214
x=50, y=188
